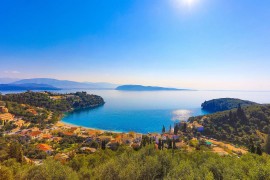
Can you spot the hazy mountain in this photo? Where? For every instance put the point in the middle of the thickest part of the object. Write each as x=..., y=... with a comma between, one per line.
x=8, y=80
x=66, y=84
x=104, y=85
x=30, y=86
x=146, y=88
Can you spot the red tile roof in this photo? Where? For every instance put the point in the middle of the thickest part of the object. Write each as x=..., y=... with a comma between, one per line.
x=44, y=147
x=35, y=133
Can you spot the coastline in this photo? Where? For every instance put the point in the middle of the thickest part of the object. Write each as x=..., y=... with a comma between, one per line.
x=70, y=125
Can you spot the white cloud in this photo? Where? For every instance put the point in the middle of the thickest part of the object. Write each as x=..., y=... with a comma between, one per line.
x=12, y=72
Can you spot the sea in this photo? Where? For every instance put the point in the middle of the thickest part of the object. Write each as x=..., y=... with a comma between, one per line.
x=149, y=111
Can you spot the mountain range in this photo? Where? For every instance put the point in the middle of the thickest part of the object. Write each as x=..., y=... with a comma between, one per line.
x=66, y=84
x=55, y=84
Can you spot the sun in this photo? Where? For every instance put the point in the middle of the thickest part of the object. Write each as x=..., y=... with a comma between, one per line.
x=184, y=3
x=189, y=2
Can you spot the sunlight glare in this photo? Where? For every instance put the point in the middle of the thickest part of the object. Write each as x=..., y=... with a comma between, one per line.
x=188, y=2
x=184, y=3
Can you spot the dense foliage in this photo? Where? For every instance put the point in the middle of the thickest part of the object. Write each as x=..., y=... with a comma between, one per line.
x=239, y=125
x=247, y=125
x=44, y=108
x=147, y=163
x=45, y=100
x=224, y=104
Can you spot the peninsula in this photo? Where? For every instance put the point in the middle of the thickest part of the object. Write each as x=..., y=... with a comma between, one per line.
x=146, y=88
x=224, y=104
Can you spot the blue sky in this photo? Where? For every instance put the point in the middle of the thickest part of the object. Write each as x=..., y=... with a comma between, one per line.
x=200, y=44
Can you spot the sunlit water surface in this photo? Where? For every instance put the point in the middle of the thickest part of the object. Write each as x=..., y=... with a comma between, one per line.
x=148, y=111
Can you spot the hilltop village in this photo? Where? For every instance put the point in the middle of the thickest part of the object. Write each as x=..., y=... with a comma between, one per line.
x=33, y=120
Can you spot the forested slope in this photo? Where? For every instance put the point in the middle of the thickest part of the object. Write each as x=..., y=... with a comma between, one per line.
x=224, y=104
x=238, y=125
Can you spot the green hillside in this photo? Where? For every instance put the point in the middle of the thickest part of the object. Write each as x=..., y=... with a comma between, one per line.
x=145, y=164
x=238, y=125
x=224, y=104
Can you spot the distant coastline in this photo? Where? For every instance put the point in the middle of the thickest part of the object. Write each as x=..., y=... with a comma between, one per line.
x=27, y=86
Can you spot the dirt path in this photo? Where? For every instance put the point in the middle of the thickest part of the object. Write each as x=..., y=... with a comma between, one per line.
x=228, y=146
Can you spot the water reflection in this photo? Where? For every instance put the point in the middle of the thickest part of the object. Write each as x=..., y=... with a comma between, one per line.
x=181, y=115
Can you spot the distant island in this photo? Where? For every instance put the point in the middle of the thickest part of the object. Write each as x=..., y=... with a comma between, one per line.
x=26, y=86
x=224, y=104
x=146, y=88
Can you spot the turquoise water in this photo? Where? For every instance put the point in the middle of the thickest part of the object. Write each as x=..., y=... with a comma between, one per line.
x=148, y=111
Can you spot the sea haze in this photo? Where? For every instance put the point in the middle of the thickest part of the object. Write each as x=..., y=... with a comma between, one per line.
x=148, y=111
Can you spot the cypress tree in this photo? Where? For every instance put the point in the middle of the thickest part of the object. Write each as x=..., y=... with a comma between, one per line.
x=176, y=129
x=103, y=145
x=267, y=145
x=239, y=110
x=169, y=142
x=144, y=142
x=241, y=114
x=147, y=140
x=163, y=129
x=15, y=151
x=173, y=144
x=185, y=127
x=251, y=146
x=159, y=144
x=259, y=150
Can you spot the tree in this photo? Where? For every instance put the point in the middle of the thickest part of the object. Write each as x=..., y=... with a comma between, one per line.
x=144, y=141
x=267, y=145
x=173, y=144
x=163, y=129
x=15, y=151
x=259, y=150
x=176, y=129
x=251, y=146
x=169, y=142
x=241, y=114
x=239, y=110
x=185, y=127
x=159, y=144
x=103, y=145
x=150, y=141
